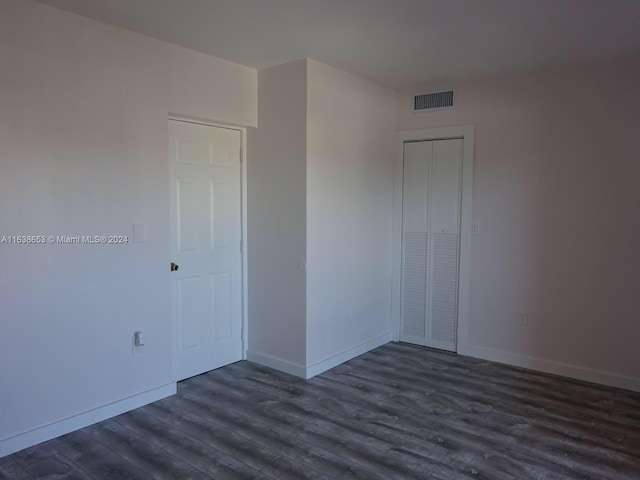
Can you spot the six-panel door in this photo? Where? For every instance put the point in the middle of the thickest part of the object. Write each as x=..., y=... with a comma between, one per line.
x=205, y=244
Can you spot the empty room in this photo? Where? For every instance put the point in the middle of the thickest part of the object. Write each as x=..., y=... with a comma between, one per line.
x=321, y=239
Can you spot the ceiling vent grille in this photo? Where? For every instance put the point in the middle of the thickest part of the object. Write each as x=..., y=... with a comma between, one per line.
x=433, y=100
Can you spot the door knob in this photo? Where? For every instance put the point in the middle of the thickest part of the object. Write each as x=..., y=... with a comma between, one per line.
x=174, y=267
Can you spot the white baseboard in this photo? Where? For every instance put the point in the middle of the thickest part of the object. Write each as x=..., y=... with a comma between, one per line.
x=346, y=355
x=556, y=368
x=27, y=439
x=277, y=363
x=323, y=365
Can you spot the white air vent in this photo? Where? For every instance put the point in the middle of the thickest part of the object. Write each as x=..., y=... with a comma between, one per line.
x=433, y=100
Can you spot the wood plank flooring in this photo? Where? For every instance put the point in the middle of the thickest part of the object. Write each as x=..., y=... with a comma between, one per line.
x=399, y=411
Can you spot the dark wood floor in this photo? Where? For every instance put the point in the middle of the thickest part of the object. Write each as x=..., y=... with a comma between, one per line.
x=397, y=412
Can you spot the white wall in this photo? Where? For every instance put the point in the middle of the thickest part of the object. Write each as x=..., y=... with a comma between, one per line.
x=83, y=139
x=556, y=198
x=350, y=134
x=320, y=189
x=277, y=218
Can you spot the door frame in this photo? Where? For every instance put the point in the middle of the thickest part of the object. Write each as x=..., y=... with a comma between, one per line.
x=243, y=222
x=466, y=133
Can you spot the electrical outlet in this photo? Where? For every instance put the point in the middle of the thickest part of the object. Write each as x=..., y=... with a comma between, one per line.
x=476, y=228
x=138, y=339
x=524, y=319
x=137, y=342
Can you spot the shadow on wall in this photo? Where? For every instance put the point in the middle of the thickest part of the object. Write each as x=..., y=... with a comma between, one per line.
x=586, y=266
x=557, y=164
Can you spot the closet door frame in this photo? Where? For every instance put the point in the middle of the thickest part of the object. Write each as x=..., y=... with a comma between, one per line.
x=466, y=133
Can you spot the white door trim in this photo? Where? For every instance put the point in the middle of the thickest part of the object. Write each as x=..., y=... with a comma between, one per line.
x=243, y=211
x=466, y=132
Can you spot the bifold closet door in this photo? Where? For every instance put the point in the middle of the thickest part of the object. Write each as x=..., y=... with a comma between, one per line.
x=431, y=242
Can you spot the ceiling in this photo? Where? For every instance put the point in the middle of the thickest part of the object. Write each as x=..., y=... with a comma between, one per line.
x=394, y=42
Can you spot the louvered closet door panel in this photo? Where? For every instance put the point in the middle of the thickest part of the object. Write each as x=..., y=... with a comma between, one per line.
x=444, y=244
x=431, y=243
x=415, y=251
x=414, y=291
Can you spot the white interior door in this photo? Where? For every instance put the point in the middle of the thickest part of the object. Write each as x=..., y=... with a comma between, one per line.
x=431, y=242
x=205, y=245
